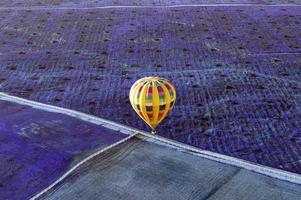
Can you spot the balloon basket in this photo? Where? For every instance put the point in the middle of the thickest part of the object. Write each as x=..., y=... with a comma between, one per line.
x=154, y=132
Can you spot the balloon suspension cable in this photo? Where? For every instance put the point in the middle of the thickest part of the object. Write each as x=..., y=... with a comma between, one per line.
x=154, y=132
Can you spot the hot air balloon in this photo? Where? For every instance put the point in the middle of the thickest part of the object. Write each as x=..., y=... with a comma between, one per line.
x=152, y=98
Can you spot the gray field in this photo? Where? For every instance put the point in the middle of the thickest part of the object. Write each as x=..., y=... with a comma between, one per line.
x=142, y=170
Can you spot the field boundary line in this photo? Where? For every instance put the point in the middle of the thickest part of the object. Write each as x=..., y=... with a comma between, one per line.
x=43, y=192
x=146, y=6
x=261, y=169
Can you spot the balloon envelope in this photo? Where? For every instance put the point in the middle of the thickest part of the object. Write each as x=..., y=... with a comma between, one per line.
x=152, y=98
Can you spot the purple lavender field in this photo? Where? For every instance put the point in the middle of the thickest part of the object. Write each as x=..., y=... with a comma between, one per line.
x=38, y=147
x=237, y=69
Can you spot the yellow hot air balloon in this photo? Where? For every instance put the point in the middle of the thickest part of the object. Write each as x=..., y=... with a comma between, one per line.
x=152, y=98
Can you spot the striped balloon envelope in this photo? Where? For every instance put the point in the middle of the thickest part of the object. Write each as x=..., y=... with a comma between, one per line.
x=152, y=98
